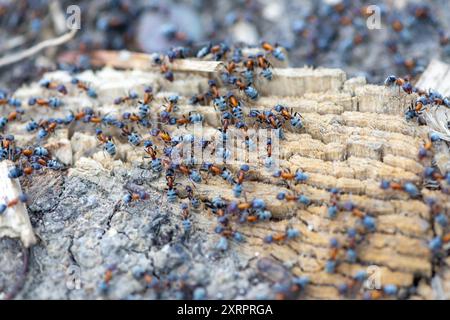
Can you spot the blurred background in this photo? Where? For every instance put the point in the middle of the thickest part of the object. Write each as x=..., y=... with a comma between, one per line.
x=331, y=33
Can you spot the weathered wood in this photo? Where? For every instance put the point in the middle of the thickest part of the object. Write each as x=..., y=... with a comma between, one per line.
x=354, y=136
x=14, y=222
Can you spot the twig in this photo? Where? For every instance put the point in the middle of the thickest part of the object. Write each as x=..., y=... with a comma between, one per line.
x=141, y=61
x=13, y=43
x=57, y=16
x=16, y=57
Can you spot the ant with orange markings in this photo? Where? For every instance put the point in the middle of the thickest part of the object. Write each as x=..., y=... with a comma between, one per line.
x=211, y=169
x=52, y=102
x=132, y=95
x=22, y=198
x=87, y=115
x=194, y=201
x=12, y=116
x=276, y=50
x=213, y=89
x=231, y=67
x=288, y=234
x=295, y=119
x=249, y=90
x=193, y=175
x=156, y=164
x=400, y=83
x=107, y=277
x=165, y=70
x=172, y=193
x=135, y=196
x=171, y=103
x=85, y=87
x=190, y=119
x=202, y=99
x=163, y=135
x=265, y=65
x=46, y=127
x=48, y=84
x=267, y=117
x=237, y=188
x=426, y=150
x=233, y=102
x=131, y=117
x=15, y=115
x=133, y=137
x=148, y=95
x=108, y=144
x=282, y=196
x=287, y=175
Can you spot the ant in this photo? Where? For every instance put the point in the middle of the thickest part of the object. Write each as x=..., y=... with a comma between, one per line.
x=213, y=90
x=135, y=196
x=168, y=74
x=195, y=202
x=295, y=119
x=164, y=136
x=172, y=194
x=268, y=162
x=193, y=174
x=204, y=51
x=11, y=203
x=288, y=234
x=185, y=218
x=86, y=115
x=273, y=120
x=401, y=83
x=250, y=91
x=408, y=187
x=132, y=95
x=230, y=68
x=108, y=145
x=274, y=50
x=53, y=85
x=232, y=100
x=437, y=242
x=172, y=102
x=131, y=116
x=148, y=95
x=212, y=168
x=191, y=118
x=83, y=86
x=301, y=198
x=46, y=127
x=3, y=97
x=156, y=164
x=298, y=176
x=237, y=188
x=133, y=138
x=52, y=102
x=202, y=99
x=107, y=277
x=12, y=116
x=265, y=65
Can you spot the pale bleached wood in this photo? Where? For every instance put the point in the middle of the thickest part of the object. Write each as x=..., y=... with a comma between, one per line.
x=14, y=222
